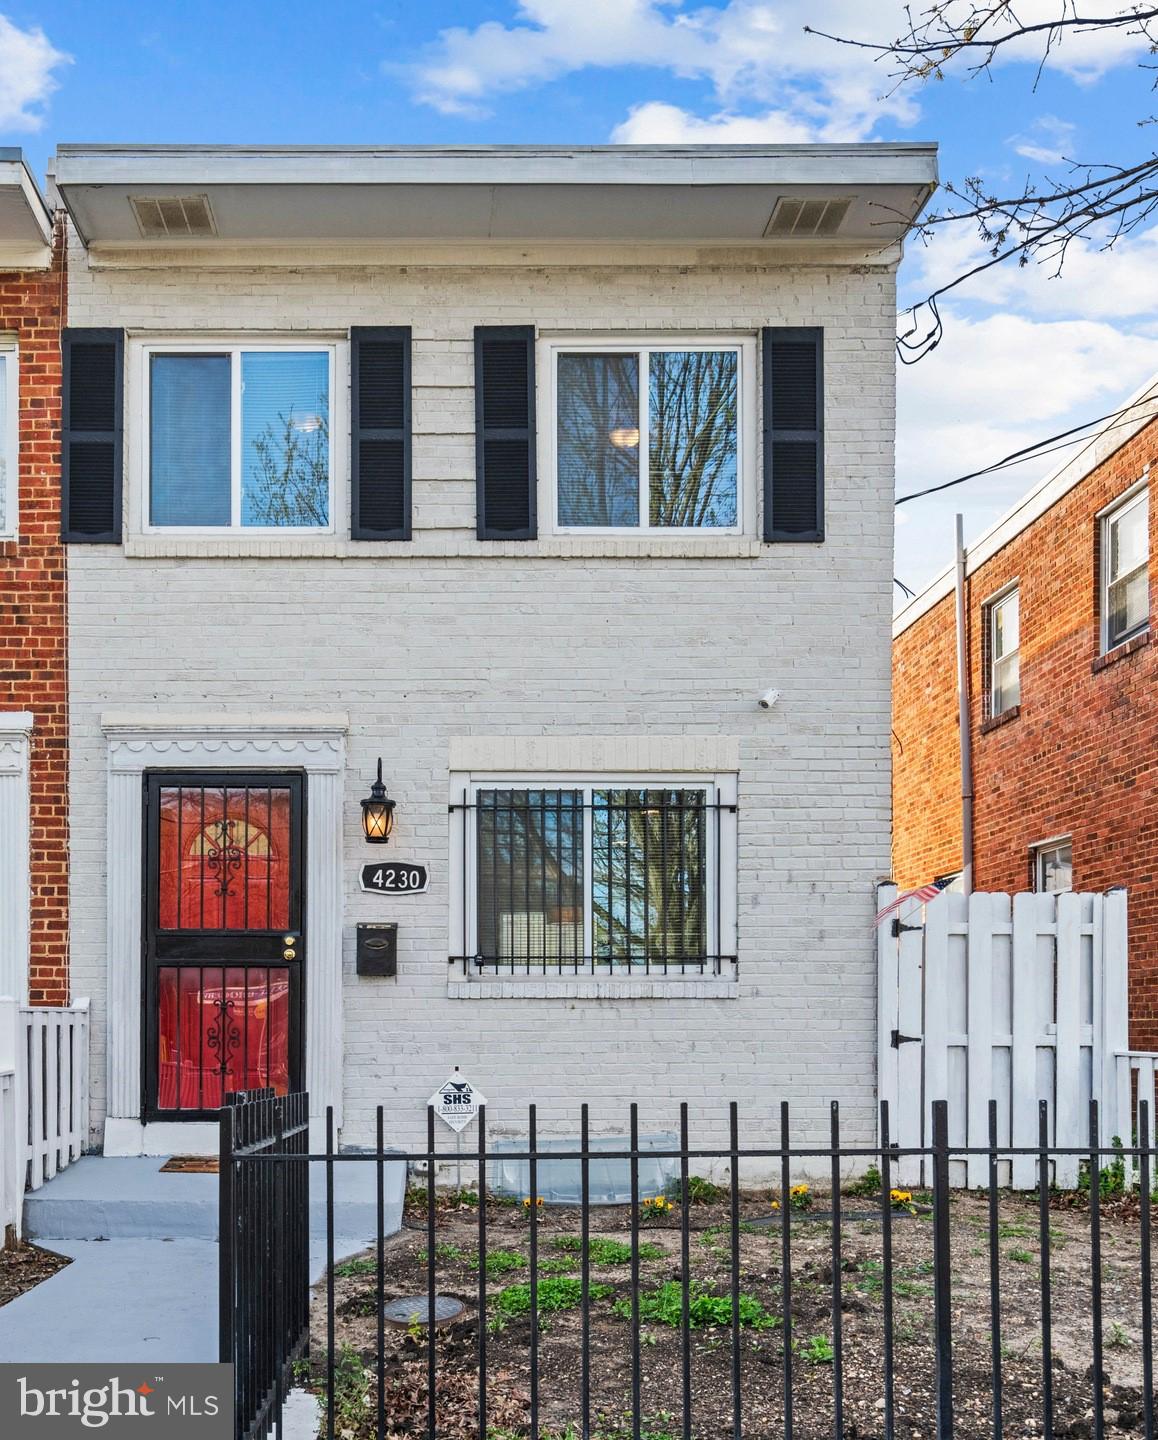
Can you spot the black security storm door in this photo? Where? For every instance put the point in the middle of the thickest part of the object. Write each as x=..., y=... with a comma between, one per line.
x=224, y=953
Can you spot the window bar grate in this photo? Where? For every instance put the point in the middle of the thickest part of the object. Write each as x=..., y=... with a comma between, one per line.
x=654, y=891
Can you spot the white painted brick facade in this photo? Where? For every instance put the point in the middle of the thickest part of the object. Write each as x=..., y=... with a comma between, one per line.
x=447, y=638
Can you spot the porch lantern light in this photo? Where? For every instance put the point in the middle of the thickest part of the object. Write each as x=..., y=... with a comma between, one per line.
x=378, y=812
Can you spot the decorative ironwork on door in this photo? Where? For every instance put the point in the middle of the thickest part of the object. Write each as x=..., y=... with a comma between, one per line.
x=224, y=915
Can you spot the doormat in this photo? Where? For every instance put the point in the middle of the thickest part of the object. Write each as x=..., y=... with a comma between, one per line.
x=190, y=1165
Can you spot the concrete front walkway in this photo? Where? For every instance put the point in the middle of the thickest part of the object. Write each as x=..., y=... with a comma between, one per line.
x=143, y=1280
x=119, y=1300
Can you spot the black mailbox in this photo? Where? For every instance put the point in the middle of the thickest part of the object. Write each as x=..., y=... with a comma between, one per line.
x=377, y=951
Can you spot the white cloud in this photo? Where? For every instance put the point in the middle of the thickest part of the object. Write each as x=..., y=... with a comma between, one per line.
x=27, y=62
x=752, y=54
x=657, y=123
x=1085, y=55
x=997, y=384
x=1096, y=284
x=1046, y=141
x=755, y=54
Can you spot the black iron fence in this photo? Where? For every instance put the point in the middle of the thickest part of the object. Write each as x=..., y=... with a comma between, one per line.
x=264, y=1274
x=725, y=1298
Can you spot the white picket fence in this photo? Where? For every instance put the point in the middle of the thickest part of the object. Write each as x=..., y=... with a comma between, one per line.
x=1015, y=999
x=43, y=1098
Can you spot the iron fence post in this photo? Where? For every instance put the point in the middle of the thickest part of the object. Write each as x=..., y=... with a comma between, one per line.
x=225, y=1227
x=942, y=1284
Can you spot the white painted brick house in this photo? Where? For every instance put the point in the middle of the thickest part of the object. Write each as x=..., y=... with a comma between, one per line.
x=442, y=564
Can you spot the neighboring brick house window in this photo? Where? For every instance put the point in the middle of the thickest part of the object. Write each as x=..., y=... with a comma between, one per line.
x=238, y=438
x=1053, y=866
x=1003, y=632
x=599, y=874
x=1125, y=569
x=9, y=442
x=651, y=436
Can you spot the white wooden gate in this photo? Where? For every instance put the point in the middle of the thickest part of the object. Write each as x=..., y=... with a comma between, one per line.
x=1016, y=999
x=43, y=1098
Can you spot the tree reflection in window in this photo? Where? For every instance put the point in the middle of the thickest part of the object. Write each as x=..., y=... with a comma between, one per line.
x=688, y=477
x=692, y=438
x=598, y=440
x=530, y=875
x=649, y=880
x=289, y=479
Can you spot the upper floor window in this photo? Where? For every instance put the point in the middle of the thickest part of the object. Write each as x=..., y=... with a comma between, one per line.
x=1004, y=652
x=238, y=437
x=1053, y=867
x=650, y=437
x=9, y=442
x=1125, y=570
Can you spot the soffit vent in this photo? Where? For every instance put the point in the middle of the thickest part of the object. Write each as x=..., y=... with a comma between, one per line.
x=173, y=217
x=802, y=219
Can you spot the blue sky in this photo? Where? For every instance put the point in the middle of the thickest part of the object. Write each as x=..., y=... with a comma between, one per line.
x=1024, y=355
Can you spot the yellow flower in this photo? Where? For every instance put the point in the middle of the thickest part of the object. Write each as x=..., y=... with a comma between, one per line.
x=527, y=1202
x=800, y=1189
x=901, y=1197
x=776, y=1204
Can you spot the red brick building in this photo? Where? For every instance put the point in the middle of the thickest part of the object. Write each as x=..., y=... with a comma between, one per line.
x=33, y=653
x=1062, y=698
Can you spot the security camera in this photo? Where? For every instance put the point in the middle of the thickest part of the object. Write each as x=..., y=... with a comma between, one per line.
x=768, y=699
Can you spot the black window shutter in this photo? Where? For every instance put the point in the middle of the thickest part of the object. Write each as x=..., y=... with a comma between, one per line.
x=380, y=432
x=504, y=407
x=92, y=422
x=793, y=361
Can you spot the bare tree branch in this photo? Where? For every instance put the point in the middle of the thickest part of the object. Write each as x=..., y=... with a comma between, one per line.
x=1095, y=201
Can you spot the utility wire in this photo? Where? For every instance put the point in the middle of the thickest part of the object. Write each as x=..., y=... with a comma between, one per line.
x=1034, y=451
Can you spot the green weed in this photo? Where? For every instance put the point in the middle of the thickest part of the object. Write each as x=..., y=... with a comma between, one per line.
x=556, y=1292
x=664, y=1306
x=817, y=1350
x=601, y=1251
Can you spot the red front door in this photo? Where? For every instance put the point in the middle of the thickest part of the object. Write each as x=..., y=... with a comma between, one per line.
x=223, y=938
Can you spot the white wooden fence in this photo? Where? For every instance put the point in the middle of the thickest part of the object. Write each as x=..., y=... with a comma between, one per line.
x=1016, y=999
x=11, y=1176
x=43, y=1098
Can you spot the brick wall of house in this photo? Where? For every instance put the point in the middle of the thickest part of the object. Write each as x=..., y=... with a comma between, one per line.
x=445, y=637
x=33, y=635
x=1078, y=759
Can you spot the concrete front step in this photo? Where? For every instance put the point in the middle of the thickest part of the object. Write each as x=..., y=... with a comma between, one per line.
x=102, y=1198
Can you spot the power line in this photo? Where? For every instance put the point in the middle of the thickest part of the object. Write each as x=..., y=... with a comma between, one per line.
x=1034, y=451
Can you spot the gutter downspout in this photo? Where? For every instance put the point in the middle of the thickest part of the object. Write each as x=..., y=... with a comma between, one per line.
x=963, y=720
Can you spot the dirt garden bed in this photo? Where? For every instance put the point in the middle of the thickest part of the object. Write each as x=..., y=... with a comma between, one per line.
x=762, y=1350
x=23, y=1266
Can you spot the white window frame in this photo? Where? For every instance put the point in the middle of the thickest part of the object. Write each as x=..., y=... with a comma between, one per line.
x=1039, y=852
x=140, y=354
x=1137, y=494
x=720, y=860
x=642, y=345
x=10, y=443
x=992, y=605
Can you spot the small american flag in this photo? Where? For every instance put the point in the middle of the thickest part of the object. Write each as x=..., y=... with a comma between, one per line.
x=922, y=893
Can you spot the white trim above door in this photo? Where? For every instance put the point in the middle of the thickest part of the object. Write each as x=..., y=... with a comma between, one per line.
x=314, y=743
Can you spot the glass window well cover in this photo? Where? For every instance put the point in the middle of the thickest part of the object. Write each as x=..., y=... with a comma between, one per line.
x=559, y=1182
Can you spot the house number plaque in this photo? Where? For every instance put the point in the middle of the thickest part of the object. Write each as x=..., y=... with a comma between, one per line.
x=395, y=877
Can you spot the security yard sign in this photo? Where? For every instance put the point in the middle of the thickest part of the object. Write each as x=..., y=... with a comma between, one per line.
x=457, y=1102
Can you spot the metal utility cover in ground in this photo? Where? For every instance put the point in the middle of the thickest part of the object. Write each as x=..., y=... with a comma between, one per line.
x=457, y=1102
x=415, y=1310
